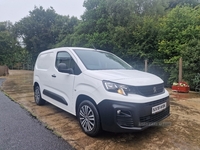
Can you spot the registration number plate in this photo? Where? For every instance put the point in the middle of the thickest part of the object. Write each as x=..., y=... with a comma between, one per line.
x=159, y=108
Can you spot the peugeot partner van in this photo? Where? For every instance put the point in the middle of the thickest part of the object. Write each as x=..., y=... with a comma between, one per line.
x=102, y=90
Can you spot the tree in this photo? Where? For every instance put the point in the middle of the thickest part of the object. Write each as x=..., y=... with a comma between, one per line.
x=9, y=45
x=43, y=29
x=176, y=29
x=92, y=30
x=36, y=30
x=174, y=3
x=65, y=26
x=134, y=28
x=191, y=60
x=179, y=37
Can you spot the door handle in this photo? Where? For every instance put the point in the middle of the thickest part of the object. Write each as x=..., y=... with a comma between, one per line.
x=53, y=75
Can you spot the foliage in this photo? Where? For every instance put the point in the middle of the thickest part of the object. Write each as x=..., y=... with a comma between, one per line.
x=64, y=27
x=115, y=26
x=196, y=80
x=174, y=3
x=93, y=29
x=42, y=29
x=9, y=47
x=179, y=37
x=191, y=62
x=35, y=30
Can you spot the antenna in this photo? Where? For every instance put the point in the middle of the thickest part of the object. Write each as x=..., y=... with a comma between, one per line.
x=94, y=46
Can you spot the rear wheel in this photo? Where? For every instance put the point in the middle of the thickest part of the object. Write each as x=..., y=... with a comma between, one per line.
x=89, y=119
x=37, y=96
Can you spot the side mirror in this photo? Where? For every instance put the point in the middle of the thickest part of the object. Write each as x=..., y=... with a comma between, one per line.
x=62, y=67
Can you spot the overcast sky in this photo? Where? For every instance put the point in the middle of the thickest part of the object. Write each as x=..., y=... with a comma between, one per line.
x=14, y=10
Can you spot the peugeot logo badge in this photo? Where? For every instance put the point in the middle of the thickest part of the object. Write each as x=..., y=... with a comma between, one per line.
x=154, y=89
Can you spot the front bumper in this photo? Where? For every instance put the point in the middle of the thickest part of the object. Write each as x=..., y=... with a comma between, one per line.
x=126, y=117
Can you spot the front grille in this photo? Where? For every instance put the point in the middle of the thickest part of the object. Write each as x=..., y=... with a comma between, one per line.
x=155, y=117
x=151, y=89
x=158, y=102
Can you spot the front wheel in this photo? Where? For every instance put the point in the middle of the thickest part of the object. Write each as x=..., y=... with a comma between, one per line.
x=37, y=96
x=89, y=119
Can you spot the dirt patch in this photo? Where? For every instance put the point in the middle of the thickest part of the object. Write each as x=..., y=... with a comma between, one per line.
x=180, y=131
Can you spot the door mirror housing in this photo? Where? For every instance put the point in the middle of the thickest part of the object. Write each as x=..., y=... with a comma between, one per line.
x=62, y=67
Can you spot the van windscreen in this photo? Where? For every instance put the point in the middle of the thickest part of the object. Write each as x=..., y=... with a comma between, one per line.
x=100, y=60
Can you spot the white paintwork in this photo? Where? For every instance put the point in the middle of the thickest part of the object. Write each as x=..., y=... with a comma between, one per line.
x=89, y=82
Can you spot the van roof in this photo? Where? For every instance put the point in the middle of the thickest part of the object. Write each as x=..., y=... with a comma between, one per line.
x=64, y=48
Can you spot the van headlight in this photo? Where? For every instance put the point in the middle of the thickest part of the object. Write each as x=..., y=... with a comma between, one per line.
x=116, y=87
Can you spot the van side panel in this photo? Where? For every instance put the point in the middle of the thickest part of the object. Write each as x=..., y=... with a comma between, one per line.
x=54, y=85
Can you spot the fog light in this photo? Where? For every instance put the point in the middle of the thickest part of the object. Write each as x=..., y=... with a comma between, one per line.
x=118, y=112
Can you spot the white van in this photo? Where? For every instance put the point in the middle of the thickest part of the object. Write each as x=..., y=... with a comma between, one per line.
x=102, y=90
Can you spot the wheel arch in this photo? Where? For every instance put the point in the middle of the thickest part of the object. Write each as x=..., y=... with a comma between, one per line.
x=83, y=97
x=35, y=84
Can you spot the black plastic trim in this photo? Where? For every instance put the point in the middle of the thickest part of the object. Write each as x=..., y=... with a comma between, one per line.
x=129, y=121
x=55, y=96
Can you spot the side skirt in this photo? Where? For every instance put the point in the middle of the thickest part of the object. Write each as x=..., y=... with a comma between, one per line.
x=55, y=96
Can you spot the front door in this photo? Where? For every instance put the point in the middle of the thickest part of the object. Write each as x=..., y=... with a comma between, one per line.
x=62, y=84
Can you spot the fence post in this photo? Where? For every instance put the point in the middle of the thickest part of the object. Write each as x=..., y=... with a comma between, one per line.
x=146, y=65
x=180, y=69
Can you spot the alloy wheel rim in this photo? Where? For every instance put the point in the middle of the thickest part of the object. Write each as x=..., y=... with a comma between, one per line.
x=87, y=118
x=37, y=95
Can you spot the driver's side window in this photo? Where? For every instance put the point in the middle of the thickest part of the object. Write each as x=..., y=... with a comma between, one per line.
x=64, y=57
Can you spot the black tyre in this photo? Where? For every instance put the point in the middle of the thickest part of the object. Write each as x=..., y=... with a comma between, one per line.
x=89, y=119
x=37, y=96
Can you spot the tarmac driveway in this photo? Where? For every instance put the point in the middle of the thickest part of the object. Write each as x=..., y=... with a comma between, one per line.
x=20, y=131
